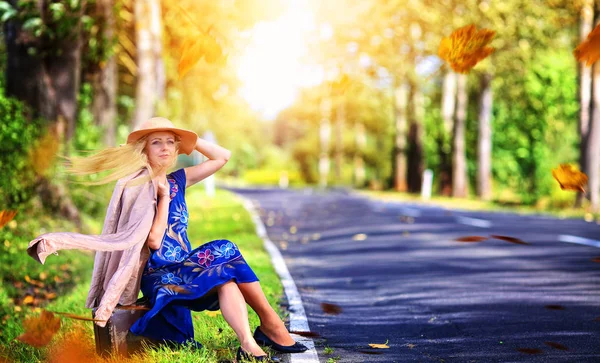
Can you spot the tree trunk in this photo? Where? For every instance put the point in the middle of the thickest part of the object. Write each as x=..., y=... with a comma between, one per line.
x=448, y=109
x=484, y=142
x=49, y=85
x=324, y=137
x=150, y=74
x=459, y=159
x=586, y=22
x=415, y=140
x=359, y=163
x=400, y=112
x=339, y=139
x=593, y=144
x=104, y=105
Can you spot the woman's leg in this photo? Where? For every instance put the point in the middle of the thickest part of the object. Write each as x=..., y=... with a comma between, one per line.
x=270, y=323
x=234, y=310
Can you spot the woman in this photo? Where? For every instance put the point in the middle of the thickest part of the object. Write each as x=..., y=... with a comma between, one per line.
x=176, y=278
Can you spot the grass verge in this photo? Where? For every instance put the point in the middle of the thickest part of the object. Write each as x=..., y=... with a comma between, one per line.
x=222, y=216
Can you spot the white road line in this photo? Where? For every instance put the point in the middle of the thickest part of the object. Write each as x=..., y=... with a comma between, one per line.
x=579, y=240
x=298, y=320
x=482, y=223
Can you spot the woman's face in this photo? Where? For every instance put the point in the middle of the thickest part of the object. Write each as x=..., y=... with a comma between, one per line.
x=161, y=148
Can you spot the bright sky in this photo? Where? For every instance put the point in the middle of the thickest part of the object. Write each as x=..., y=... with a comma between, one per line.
x=270, y=68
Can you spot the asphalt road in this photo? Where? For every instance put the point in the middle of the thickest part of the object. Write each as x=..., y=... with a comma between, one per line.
x=399, y=276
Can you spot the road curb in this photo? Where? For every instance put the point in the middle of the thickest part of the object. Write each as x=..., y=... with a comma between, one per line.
x=298, y=319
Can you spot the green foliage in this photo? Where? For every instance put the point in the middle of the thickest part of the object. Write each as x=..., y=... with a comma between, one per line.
x=17, y=135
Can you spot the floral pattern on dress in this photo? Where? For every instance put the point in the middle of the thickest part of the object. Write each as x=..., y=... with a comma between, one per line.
x=205, y=258
x=225, y=250
x=180, y=218
x=173, y=253
x=170, y=278
x=174, y=187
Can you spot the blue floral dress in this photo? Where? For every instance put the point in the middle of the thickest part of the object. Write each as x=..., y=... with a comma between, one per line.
x=178, y=279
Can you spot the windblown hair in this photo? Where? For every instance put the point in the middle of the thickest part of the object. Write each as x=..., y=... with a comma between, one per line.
x=120, y=161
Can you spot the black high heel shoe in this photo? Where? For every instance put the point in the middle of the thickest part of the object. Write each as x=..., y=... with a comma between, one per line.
x=262, y=339
x=243, y=356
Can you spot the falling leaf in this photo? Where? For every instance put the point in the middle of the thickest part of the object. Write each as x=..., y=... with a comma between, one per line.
x=293, y=229
x=410, y=346
x=509, y=239
x=466, y=47
x=471, y=239
x=359, y=237
x=76, y=317
x=193, y=49
x=530, y=350
x=43, y=154
x=554, y=307
x=6, y=216
x=28, y=300
x=570, y=178
x=39, y=330
x=556, y=345
x=310, y=334
x=74, y=346
x=588, y=51
x=332, y=309
x=379, y=346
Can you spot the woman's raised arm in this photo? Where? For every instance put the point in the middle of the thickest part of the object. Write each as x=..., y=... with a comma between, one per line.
x=217, y=157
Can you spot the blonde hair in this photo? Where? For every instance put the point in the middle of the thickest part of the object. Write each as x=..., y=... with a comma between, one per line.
x=120, y=161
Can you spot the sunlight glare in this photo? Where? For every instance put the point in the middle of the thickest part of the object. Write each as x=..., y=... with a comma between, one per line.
x=271, y=69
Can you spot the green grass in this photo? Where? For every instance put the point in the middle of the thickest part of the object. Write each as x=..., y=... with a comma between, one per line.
x=221, y=217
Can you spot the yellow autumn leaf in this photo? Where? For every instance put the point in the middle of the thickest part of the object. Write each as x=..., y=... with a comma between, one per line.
x=466, y=47
x=40, y=330
x=570, y=178
x=588, y=51
x=42, y=156
x=28, y=300
x=379, y=346
x=212, y=314
x=191, y=53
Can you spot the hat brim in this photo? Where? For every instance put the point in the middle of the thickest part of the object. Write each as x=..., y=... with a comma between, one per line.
x=187, y=138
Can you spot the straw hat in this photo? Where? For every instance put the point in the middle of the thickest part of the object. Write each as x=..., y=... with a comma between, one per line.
x=155, y=124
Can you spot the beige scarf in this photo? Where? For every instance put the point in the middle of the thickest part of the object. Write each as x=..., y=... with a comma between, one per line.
x=121, y=251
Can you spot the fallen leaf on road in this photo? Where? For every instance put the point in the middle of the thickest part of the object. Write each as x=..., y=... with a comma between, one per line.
x=359, y=237
x=556, y=345
x=379, y=346
x=39, y=330
x=530, y=350
x=555, y=307
x=509, y=239
x=471, y=239
x=332, y=309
